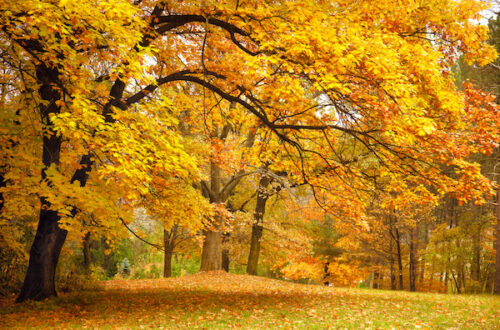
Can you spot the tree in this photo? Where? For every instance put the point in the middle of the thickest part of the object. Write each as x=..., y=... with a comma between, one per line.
x=98, y=68
x=257, y=227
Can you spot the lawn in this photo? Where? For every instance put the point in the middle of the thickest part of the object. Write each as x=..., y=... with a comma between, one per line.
x=220, y=300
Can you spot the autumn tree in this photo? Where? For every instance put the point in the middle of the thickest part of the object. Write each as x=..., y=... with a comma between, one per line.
x=311, y=74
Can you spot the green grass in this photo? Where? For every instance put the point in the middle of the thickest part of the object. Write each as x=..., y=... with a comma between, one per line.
x=219, y=300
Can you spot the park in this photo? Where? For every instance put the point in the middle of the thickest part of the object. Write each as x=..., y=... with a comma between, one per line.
x=255, y=164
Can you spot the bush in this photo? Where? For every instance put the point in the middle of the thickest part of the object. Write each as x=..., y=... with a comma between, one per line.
x=124, y=268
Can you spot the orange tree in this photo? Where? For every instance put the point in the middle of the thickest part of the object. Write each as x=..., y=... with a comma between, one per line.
x=310, y=72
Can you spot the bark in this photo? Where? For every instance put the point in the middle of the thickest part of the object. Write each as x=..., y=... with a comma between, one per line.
x=167, y=265
x=447, y=276
x=496, y=288
x=400, y=261
x=375, y=283
x=225, y=252
x=422, y=261
x=211, y=257
x=217, y=192
x=257, y=227
x=3, y=184
x=39, y=282
x=86, y=253
x=412, y=265
x=457, y=283
x=391, y=254
x=391, y=262
x=169, y=245
x=476, y=254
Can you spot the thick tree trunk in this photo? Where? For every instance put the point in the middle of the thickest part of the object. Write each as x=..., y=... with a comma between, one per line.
x=211, y=257
x=253, y=256
x=400, y=261
x=496, y=289
x=39, y=282
x=86, y=252
x=218, y=193
x=167, y=264
x=257, y=227
x=44, y=254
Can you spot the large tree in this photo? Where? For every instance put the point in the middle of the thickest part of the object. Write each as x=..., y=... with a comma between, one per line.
x=310, y=73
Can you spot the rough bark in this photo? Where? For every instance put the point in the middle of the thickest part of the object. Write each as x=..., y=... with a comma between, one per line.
x=391, y=262
x=3, y=184
x=211, y=257
x=217, y=192
x=476, y=254
x=169, y=245
x=425, y=241
x=86, y=252
x=257, y=227
x=496, y=288
x=167, y=265
x=391, y=253
x=39, y=282
x=225, y=252
x=413, y=263
x=400, y=261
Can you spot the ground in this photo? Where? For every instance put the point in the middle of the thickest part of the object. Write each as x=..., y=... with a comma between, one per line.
x=220, y=300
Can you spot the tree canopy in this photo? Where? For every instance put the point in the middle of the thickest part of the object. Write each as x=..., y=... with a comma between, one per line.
x=109, y=100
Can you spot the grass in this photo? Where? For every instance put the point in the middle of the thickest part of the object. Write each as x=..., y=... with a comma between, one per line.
x=220, y=300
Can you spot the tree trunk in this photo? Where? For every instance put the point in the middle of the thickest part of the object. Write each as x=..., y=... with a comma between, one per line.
x=392, y=275
x=168, y=240
x=476, y=254
x=257, y=227
x=167, y=264
x=446, y=278
x=413, y=263
x=225, y=252
x=225, y=260
x=496, y=289
x=3, y=184
x=375, y=280
x=44, y=254
x=86, y=253
x=39, y=282
x=391, y=255
x=400, y=261
x=425, y=241
x=211, y=257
